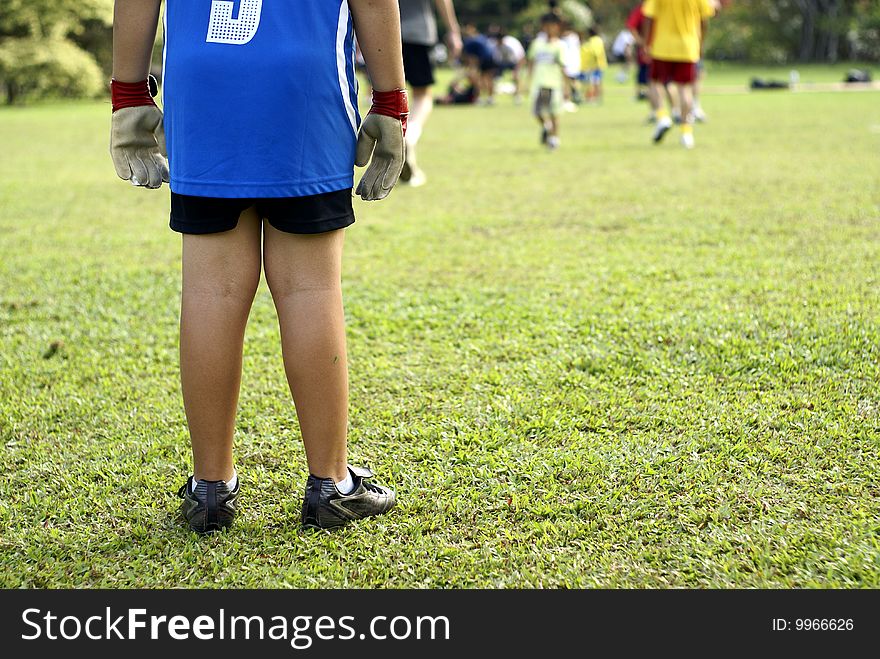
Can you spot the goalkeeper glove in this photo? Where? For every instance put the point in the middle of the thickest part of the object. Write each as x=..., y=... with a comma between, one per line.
x=137, y=134
x=381, y=137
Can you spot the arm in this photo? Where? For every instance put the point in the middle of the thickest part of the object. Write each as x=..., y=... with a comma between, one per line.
x=377, y=23
x=636, y=36
x=137, y=134
x=632, y=26
x=453, y=31
x=647, y=25
x=134, y=32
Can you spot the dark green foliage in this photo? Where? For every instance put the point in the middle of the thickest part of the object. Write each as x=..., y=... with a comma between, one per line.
x=33, y=69
x=53, y=48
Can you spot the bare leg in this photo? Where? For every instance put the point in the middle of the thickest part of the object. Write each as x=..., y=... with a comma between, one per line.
x=489, y=85
x=696, y=109
x=658, y=90
x=654, y=97
x=303, y=273
x=221, y=272
x=517, y=94
x=686, y=101
x=672, y=96
x=422, y=103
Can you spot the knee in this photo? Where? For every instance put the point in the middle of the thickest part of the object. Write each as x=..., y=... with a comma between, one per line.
x=243, y=289
x=286, y=284
x=228, y=287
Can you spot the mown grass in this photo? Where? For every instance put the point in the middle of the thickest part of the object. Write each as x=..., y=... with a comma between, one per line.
x=616, y=365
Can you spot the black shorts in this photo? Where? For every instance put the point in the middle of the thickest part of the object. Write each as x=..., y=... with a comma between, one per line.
x=488, y=65
x=313, y=214
x=417, y=65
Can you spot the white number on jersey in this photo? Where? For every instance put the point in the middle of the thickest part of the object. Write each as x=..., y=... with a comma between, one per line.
x=225, y=29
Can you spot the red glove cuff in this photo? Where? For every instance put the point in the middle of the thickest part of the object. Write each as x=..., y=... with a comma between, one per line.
x=391, y=104
x=130, y=94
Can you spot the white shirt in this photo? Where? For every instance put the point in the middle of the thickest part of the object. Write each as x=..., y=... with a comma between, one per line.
x=511, y=49
x=621, y=42
x=572, y=54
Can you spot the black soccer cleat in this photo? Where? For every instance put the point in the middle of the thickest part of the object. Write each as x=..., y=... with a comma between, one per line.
x=211, y=507
x=324, y=507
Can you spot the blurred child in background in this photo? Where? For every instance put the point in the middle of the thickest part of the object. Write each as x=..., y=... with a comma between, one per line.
x=593, y=65
x=546, y=62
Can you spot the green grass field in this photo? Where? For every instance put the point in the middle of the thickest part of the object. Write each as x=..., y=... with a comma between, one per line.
x=616, y=365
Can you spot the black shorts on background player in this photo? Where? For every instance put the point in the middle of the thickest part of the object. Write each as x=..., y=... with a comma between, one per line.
x=417, y=65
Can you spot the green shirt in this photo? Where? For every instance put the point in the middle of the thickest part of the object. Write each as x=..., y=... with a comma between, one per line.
x=547, y=58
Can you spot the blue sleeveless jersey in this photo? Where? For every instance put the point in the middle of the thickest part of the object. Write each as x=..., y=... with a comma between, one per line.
x=260, y=97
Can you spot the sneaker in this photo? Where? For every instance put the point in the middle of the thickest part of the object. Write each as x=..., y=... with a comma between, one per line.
x=210, y=507
x=676, y=118
x=699, y=115
x=553, y=142
x=324, y=507
x=417, y=177
x=687, y=140
x=663, y=126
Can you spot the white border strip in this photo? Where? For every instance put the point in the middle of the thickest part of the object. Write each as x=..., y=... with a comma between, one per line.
x=164, y=49
x=341, y=62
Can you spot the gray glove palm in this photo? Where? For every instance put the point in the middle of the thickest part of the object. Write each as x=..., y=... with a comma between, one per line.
x=137, y=146
x=381, y=137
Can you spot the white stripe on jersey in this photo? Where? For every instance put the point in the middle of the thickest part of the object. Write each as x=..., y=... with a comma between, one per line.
x=341, y=62
x=164, y=49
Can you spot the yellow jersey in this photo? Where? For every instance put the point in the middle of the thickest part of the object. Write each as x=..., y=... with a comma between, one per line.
x=593, y=55
x=677, y=28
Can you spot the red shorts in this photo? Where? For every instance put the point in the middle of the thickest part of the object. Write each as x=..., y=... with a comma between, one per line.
x=684, y=73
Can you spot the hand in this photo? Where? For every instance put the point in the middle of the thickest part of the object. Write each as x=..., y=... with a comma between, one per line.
x=137, y=146
x=381, y=137
x=453, y=44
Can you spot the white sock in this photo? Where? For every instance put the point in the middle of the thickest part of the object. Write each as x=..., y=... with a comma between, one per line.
x=231, y=483
x=346, y=486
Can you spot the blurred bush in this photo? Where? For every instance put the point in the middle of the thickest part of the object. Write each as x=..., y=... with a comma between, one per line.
x=576, y=14
x=780, y=31
x=33, y=69
x=54, y=48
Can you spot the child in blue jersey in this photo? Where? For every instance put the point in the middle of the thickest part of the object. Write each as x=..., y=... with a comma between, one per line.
x=262, y=133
